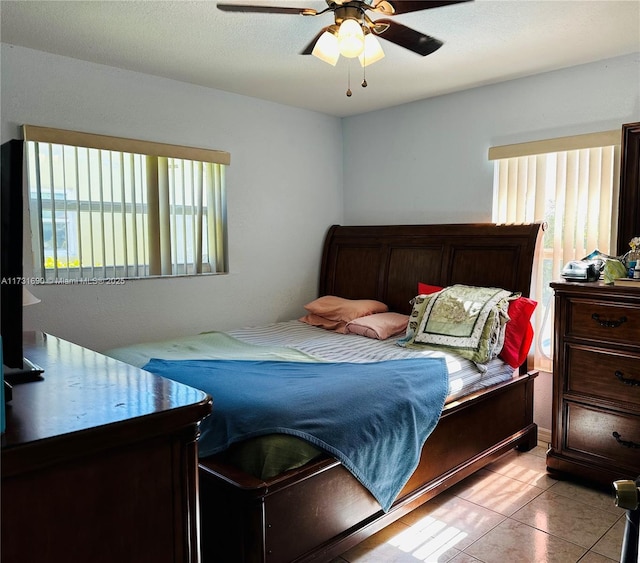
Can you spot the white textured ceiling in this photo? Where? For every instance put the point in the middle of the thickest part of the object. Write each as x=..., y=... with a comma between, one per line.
x=485, y=41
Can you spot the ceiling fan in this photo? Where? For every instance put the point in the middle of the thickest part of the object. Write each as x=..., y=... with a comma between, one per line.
x=354, y=33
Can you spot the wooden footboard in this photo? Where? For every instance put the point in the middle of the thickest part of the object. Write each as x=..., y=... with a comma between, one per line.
x=320, y=510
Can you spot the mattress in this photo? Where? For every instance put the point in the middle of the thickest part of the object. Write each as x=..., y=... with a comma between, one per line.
x=293, y=340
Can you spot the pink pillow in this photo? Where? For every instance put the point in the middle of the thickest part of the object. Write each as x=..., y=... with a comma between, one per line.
x=340, y=309
x=518, y=334
x=322, y=322
x=379, y=326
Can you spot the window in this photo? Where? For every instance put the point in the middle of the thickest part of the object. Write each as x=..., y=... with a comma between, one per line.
x=105, y=207
x=570, y=183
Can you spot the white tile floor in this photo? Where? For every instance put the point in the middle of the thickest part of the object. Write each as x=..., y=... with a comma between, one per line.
x=509, y=512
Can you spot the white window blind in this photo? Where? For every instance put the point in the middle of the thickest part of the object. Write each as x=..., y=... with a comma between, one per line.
x=106, y=207
x=572, y=184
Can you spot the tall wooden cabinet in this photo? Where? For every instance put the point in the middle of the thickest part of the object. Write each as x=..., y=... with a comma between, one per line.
x=99, y=462
x=596, y=382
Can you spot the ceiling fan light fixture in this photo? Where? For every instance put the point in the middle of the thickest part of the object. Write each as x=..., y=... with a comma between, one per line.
x=326, y=48
x=351, y=38
x=372, y=50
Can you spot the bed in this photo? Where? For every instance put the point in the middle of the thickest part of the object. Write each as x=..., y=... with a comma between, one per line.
x=319, y=509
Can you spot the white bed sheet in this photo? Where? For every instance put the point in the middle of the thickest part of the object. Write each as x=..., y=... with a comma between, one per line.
x=464, y=375
x=297, y=341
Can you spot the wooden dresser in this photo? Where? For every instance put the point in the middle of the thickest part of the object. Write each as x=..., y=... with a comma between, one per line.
x=596, y=382
x=99, y=462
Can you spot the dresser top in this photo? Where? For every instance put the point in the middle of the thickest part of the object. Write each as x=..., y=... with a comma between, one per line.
x=600, y=288
x=84, y=391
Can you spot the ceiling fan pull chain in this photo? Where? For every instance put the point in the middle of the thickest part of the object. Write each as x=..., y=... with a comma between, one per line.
x=349, y=92
x=364, y=70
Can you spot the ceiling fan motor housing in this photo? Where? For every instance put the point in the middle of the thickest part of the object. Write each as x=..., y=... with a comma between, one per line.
x=347, y=12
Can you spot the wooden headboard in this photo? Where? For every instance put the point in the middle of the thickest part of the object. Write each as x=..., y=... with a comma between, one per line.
x=387, y=262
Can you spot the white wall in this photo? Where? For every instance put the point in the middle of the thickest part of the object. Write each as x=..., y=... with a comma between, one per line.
x=284, y=191
x=426, y=162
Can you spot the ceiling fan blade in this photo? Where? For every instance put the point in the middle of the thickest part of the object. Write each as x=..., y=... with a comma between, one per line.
x=266, y=9
x=406, y=6
x=309, y=48
x=409, y=38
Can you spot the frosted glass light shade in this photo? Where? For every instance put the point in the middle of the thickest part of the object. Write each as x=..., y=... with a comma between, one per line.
x=350, y=39
x=372, y=50
x=326, y=48
x=28, y=298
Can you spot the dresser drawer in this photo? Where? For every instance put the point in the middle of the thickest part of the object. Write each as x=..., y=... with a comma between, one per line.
x=591, y=431
x=604, y=321
x=603, y=374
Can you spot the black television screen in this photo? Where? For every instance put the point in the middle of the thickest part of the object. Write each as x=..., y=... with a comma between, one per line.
x=11, y=271
x=11, y=241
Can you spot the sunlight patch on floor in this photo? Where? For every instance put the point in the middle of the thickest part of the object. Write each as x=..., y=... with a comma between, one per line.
x=427, y=539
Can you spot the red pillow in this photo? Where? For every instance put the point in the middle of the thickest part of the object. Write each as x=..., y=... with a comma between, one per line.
x=426, y=289
x=518, y=334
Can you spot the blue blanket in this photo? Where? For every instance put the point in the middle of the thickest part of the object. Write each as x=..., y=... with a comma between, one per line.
x=373, y=417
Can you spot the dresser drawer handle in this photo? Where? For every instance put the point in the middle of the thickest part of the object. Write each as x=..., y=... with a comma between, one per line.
x=626, y=380
x=625, y=443
x=607, y=323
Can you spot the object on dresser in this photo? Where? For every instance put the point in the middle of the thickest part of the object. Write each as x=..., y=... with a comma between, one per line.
x=632, y=257
x=582, y=270
x=613, y=269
